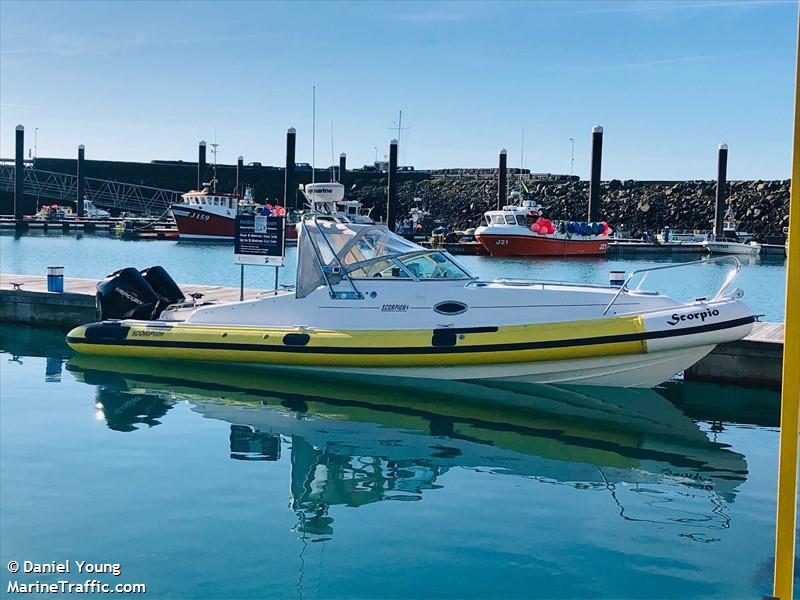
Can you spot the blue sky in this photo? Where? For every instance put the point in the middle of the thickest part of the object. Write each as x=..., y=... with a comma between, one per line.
x=668, y=81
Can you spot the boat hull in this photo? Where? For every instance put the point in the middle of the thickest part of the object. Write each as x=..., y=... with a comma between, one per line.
x=500, y=244
x=733, y=248
x=627, y=351
x=195, y=224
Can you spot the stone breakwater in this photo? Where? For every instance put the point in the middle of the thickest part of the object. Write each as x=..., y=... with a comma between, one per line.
x=633, y=206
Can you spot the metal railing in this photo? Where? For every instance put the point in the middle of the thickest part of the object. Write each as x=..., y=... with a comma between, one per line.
x=733, y=273
x=63, y=187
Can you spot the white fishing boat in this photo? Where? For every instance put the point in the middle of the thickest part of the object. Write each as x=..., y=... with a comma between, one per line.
x=371, y=303
x=725, y=247
x=732, y=240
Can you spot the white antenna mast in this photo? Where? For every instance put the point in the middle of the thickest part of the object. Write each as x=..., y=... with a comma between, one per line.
x=214, y=153
x=333, y=164
x=313, y=130
x=521, y=159
x=398, y=125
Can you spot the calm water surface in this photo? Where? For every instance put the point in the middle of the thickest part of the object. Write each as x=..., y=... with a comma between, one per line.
x=240, y=483
x=763, y=279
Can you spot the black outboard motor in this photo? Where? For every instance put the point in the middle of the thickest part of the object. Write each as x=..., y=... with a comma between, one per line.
x=164, y=286
x=126, y=295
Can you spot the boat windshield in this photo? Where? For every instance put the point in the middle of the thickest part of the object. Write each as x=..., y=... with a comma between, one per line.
x=329, y=250
x=417, y=265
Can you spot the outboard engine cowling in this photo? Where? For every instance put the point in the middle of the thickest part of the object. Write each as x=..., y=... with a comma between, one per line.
x=126, y=295
x=164, y=286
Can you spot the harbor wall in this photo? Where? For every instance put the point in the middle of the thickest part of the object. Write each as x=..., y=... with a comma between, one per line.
x=460, y=197
x=267, y=181
x=634, y=206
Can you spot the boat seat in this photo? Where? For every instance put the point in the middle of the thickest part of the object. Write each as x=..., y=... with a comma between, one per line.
x=17, y=285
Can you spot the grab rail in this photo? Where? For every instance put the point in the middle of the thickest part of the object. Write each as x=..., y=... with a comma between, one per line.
x=323, y=267
x=729, y=279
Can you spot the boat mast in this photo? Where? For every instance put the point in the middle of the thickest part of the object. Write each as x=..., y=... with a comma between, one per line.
x=214, y=166
x=521, y=161
x=333, y=165
x=313, y=129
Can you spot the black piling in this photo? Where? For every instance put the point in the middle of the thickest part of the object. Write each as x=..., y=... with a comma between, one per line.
x=342, y=168
x=239, y=173
x=19, y=174
x=502, y=180
x=722, y=191
x=391, y=202
x=289, y=187
x=201, y=164
x=594, y=182
x=81, y=173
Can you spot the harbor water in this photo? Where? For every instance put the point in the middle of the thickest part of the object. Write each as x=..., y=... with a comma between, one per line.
x=96, y=255
x=240, y=482
x=235, y=483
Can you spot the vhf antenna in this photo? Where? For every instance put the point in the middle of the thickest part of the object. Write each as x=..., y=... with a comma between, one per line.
x=398, y=127
x=214, y=153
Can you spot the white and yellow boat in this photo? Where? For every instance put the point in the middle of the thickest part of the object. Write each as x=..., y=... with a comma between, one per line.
x=370, y=302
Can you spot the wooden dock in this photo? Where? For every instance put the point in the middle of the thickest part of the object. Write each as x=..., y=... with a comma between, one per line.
x=32, y=304
x=146, y=229
x=755, y=360
x=70, y=225
x=634, y=249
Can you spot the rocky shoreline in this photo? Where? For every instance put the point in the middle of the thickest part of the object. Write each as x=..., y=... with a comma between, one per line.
x=633, y=206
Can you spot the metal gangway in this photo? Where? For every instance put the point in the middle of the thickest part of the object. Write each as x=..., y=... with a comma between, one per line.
x=63, y=188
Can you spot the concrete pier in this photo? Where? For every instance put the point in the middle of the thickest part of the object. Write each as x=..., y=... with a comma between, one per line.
x=754, y=360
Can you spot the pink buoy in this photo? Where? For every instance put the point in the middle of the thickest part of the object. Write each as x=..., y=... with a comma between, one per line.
x=536, y=228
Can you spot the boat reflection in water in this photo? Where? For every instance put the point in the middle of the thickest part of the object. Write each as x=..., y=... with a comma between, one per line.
x=353, y=443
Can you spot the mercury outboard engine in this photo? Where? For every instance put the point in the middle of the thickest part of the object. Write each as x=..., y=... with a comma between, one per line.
x=126, y=295
x=164, y=286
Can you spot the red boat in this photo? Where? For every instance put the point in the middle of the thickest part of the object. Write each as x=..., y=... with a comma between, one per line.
x=520, y=230
x=211, y=216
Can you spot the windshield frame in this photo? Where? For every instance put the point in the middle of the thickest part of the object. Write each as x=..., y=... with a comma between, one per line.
x=398, y=261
